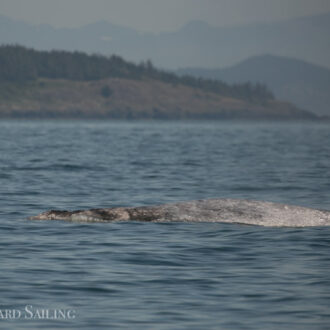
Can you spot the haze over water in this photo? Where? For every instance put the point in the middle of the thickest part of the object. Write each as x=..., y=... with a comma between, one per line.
x=162, y=276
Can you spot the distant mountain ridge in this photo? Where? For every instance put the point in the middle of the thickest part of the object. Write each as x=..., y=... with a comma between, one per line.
x=196, y=44
x=305, y=84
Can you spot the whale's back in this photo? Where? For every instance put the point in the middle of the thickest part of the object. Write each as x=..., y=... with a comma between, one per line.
x=212, y=210
x=245, y=212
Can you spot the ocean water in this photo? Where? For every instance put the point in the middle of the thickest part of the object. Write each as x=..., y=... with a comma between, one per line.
x=131, y=275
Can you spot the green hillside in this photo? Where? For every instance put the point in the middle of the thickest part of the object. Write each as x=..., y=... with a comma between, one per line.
x=60, y=84
x=20, y=64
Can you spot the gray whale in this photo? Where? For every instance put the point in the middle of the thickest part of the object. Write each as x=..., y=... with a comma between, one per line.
x=247, y=212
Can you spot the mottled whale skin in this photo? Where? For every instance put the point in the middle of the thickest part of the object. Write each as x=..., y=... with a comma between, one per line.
x=247, y=212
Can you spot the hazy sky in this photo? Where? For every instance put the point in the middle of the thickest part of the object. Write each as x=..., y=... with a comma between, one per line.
x=158, y=15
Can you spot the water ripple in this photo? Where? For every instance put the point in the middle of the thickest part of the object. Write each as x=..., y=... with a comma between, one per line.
x=133, y=275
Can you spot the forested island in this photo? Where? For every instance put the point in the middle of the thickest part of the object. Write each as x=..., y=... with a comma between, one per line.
x=62, y=84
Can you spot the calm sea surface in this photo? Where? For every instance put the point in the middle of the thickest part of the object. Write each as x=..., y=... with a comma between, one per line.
x=161, y=276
